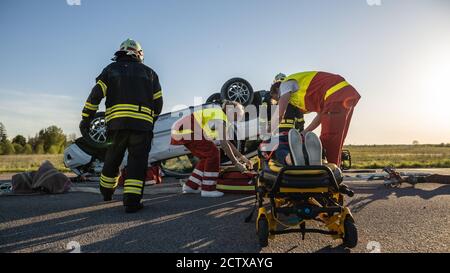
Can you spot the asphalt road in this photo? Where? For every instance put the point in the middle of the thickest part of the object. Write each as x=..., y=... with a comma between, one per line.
x=406, y=219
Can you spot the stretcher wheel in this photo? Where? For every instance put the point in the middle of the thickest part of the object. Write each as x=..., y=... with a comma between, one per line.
x=350, y=233
x=263, y=232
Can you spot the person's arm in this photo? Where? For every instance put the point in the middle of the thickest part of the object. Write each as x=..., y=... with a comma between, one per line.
x=157, y=97
x=225, y=145
x=314, y=124
x=232, y=153
x=230, y=150
x=92, y=103
x=240, y=157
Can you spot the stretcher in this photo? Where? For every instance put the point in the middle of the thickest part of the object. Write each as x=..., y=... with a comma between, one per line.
x=290, y=198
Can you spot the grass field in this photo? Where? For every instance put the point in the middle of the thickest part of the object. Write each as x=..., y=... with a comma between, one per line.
x=400, y=156
x=21, y=163
x=363, y=157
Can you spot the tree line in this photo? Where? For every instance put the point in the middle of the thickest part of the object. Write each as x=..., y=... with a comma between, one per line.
x=50, y=140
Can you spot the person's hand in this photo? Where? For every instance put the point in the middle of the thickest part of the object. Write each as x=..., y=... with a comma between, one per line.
x=247, y=162
x=241, y=167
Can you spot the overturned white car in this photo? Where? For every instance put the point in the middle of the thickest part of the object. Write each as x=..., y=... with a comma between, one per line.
x=85, y=157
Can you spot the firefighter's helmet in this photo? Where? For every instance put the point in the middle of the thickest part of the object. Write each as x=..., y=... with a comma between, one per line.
x=132, y=48
x=279, y=78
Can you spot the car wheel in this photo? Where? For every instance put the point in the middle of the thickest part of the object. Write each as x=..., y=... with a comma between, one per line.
x=215, y=98
x=238, y=90
x=96, y=135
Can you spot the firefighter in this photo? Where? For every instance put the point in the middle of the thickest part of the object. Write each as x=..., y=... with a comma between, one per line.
x=330, y=96
x=197, y=132
x=133, y=102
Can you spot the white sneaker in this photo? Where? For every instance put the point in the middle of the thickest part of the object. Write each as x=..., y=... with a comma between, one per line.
x=313, y=147
x=212, y=194
x=296, y=147
x=189, y=190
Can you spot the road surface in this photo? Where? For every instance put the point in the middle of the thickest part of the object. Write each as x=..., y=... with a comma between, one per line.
x=406, y=219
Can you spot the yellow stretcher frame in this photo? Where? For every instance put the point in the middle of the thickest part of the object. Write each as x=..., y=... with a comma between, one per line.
x=337, y=220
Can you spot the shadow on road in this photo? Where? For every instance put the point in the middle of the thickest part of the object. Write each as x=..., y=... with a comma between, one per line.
x=367, y=194
x=169, y=223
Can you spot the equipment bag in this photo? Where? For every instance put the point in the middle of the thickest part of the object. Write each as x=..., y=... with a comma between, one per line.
x=152, y=176
x=236, y=182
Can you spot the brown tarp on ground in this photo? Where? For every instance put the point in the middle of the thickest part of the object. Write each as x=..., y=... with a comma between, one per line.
x=47, y=180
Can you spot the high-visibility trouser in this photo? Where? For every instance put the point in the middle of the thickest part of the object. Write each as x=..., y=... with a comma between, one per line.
x=138, y=144
x=206, y=171
x=335, y=121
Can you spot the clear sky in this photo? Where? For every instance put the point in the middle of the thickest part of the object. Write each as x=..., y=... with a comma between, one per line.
x=397, y=54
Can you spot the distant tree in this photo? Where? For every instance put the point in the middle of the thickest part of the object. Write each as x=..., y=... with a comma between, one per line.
x=52, y=136
x=7, y=148
x=27, y=149
x=19, y=139
x=18, y=149
x=3, y=135
x=54, y=149
x=416, y=142
x=39, y=149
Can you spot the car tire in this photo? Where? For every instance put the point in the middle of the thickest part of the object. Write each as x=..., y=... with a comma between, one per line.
x=96, y=135
x=215, y=98
x=238, y=90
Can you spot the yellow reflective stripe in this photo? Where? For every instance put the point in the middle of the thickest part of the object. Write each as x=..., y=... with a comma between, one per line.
x=157, y=95
x=126, y=114
x=295, y=190
x=108, y=179
x=132, y=190
x=336, y=88
x=90, y=106
x=147, y=110
x=131, y=107
x=182, y=132
x=286, y=126
x=106, y=185
x=85, y=115
x=299, y=119
x=122, y=107
x=130, y=114
x=133, y=184
x=235, y=188
x=103, y=87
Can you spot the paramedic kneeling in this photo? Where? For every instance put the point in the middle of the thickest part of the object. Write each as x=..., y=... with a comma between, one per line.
x=197, y=132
